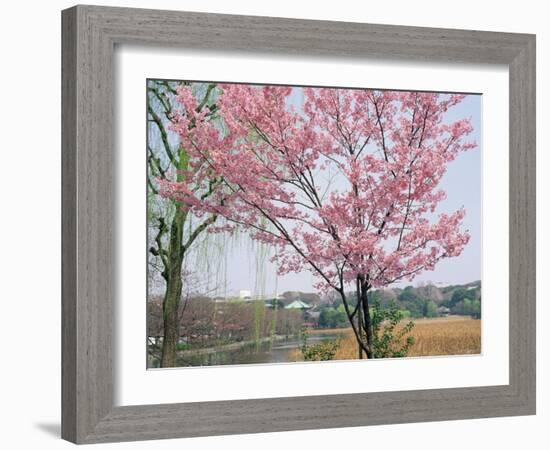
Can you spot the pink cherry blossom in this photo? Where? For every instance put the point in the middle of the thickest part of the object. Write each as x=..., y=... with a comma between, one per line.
x=346, y=187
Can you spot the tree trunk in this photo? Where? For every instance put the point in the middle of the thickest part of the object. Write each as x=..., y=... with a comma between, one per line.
x=355, y=323
x=362, y=296
x=172, y=295
x=368, y=321
x=359, y=318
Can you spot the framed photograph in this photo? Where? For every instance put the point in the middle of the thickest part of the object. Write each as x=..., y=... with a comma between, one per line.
x=277, y=224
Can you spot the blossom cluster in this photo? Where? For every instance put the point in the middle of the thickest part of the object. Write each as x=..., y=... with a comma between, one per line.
x=346, y=185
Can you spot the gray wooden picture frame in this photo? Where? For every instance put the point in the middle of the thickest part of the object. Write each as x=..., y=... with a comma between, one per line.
x=90, y=34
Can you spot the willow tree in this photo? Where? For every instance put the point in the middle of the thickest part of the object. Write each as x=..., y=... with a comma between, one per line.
x=172, y=227
x=346, y=186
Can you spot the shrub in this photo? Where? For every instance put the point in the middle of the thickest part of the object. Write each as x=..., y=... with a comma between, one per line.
x=325, y=351
x=387, y=341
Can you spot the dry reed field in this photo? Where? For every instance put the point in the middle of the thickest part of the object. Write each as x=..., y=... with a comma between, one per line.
x=446, y=336
x=454, y=335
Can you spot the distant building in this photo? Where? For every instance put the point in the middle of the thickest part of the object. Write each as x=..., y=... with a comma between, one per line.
x=245, y=294
x=298, y=304
x=443, y=311
x=312, y=318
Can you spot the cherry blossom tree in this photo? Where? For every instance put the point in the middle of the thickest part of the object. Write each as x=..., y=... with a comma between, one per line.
x=345, y=186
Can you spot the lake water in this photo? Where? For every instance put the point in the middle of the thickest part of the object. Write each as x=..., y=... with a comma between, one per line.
x=277, y=352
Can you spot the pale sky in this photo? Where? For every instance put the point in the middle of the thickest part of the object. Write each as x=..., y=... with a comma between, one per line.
x=242, y=268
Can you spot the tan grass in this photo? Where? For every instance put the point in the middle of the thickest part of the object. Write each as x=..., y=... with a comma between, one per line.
x=432, y=337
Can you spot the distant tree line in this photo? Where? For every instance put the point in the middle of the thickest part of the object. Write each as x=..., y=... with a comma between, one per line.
x=420, y=302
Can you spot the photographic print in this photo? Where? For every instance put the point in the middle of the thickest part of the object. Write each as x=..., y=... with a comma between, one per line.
x=302, y=224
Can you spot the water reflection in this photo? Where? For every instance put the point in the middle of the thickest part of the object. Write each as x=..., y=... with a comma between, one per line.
x=278, y=351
